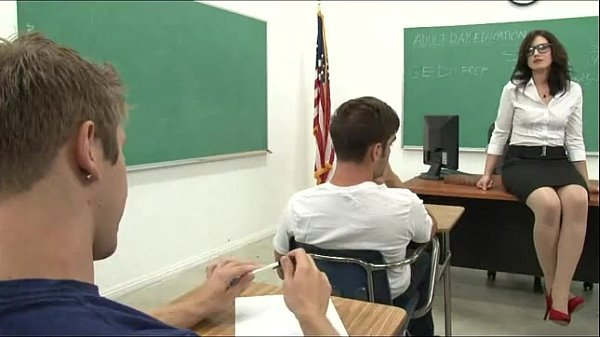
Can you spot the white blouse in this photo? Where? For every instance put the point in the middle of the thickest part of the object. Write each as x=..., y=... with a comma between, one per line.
x=536, y=124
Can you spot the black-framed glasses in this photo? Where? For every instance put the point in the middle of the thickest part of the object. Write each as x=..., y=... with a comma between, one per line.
x=542, y=48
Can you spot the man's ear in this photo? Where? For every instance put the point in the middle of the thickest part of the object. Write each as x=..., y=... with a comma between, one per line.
x=85, y=152
x=377, y=151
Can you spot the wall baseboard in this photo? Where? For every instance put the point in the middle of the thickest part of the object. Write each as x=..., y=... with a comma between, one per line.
x=155, y=277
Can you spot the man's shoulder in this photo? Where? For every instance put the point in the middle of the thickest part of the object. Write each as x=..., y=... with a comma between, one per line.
x=71, y=308
x=401, y=197
x=365, y=187
x=311, y=190
x=85, y=318
x=400, y=194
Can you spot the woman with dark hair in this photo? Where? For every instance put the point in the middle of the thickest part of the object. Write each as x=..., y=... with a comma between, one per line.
x=545, y=164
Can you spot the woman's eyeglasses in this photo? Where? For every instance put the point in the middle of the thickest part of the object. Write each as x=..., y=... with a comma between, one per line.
x=542, y=48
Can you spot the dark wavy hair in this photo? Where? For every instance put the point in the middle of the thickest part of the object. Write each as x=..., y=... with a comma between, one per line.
x=560, y=74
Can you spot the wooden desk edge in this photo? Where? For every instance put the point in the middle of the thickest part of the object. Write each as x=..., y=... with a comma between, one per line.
x=445, y=215
x=425, y=187
x=224, y=324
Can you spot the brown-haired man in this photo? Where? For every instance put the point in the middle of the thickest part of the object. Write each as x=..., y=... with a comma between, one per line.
x=356, y=210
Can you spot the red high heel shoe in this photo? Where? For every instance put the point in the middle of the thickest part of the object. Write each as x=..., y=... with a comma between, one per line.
x=575, y=304
x=556, y=316
x=548, y=305
x=559, y=317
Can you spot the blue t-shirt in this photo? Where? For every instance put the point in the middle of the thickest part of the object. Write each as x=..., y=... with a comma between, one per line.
x=63, y=307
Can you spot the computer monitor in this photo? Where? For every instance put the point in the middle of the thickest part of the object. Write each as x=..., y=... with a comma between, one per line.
x=440, y=148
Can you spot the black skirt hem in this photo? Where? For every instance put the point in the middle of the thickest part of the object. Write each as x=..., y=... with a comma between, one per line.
x=522, y=176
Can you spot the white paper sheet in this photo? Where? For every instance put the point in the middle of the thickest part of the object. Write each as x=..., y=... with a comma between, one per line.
x=269, y=316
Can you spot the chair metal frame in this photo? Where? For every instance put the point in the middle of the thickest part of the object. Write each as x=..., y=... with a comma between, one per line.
x=369, y=268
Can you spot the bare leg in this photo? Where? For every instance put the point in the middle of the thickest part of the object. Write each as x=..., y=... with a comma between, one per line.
x=546, y=207
x=574, y=201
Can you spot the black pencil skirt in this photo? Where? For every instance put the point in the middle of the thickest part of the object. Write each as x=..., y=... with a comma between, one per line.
x=527, y=168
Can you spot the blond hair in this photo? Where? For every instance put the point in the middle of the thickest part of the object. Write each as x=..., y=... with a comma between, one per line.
x=46, y=92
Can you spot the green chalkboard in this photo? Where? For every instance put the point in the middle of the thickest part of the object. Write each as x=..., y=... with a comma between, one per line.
x=196, y=75
x=461, y=70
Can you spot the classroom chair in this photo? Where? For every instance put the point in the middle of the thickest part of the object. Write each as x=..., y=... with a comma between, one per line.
x=362, y=274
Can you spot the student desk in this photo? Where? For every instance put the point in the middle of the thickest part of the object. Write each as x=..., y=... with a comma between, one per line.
x=446, y=217
x=496, y=231
x=360, y=318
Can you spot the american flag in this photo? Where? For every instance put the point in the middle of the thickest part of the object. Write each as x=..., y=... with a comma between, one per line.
x=322, y=117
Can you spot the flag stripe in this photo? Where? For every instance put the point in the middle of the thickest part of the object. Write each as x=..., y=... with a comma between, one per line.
x=325, y=155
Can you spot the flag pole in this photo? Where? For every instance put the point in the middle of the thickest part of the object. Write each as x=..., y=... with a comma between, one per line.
x=324, y=37
x=322, y=117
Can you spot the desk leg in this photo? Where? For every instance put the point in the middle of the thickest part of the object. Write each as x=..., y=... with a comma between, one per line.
x=447, y=291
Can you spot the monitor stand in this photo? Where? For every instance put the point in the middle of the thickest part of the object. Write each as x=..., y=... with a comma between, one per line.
x=434, y=173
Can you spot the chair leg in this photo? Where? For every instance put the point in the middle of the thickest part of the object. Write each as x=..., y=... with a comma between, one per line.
x=537, y=285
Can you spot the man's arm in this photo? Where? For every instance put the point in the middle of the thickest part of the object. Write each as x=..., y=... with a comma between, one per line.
x=215, y=295
x=389, y=178
x=306, y=292
x=184, y=314
x=434, y=224
x=424, y=225
x=393, y=181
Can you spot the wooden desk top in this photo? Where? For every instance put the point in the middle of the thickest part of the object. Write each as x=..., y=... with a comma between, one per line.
x=446, y=216
x=468, y=189
x=359, y=318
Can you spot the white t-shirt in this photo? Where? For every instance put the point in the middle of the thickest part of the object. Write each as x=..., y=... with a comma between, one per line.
x=534, y=123
x=364, y=216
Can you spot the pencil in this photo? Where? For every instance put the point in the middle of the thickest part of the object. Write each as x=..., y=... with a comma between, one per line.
x=267, y=267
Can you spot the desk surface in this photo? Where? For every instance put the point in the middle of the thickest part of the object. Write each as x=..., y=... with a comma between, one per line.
x=446, y=216
x=359, y=318
x=470, y=191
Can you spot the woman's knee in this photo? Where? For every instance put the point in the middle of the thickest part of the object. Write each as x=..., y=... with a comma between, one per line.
x=573, y=197
x=545, y=204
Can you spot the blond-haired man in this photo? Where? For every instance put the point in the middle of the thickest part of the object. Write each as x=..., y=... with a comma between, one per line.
x=63, y=187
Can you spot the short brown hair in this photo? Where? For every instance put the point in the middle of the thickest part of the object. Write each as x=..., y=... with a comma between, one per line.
x=46, y=92
x=359, y=123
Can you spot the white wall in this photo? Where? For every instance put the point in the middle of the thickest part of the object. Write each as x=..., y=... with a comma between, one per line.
x=177, y=217
x=8, y=18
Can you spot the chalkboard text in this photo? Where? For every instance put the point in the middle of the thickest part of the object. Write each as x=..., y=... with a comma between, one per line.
x=422, y=40
x=443, y=71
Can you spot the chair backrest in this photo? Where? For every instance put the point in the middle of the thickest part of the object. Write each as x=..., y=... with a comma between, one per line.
x=348, y=278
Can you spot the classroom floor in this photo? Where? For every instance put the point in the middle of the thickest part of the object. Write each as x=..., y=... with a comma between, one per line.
x=506, y=306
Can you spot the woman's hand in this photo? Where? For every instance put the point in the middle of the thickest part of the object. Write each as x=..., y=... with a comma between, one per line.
x=593, y=187
x=485, y=182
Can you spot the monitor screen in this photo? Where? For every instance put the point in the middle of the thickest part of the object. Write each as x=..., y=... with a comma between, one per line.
x=440, y=149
